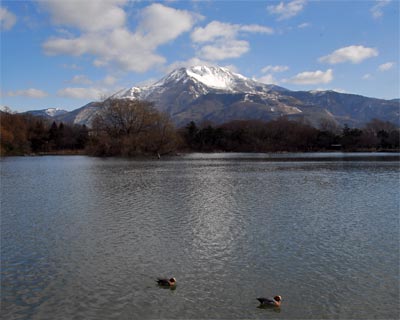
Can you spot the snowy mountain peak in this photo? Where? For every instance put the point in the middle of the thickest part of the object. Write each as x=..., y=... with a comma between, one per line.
x=210, y=76
x=198, y=81
x=214, y=77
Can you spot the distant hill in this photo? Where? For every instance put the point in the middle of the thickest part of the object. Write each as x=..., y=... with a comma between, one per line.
x=351, y=109
x=49, y=113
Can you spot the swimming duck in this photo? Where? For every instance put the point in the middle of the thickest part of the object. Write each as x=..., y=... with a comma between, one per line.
x=274, y=302
x=166, y=282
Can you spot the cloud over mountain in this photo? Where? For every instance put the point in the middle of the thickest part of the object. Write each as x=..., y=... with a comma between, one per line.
x=312, y=77
x=219, y=41
x=109, y=40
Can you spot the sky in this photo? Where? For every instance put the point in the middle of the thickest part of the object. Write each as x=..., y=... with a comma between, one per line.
x=65, y=54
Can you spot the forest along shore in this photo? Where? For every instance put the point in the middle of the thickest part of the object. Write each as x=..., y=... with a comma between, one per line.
x=134, y=128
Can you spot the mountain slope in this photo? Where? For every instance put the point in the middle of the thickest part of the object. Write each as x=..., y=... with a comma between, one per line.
x=83, y=115
x=350, y=108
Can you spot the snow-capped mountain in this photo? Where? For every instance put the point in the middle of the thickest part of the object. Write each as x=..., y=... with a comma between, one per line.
x=213, y=93
x=206, y=93
x=200, y=80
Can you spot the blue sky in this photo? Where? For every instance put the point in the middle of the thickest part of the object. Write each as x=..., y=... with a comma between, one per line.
x=67, y=53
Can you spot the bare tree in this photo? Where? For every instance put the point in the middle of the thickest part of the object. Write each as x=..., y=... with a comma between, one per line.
x=132, y=127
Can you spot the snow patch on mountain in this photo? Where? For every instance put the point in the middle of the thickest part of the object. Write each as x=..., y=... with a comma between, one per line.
x=52, y=112
x=48, y=113
x=219, y=78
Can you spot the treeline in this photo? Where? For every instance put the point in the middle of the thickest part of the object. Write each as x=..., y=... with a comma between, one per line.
x=286, y=135
x=134, y=128
x=22, y=134
x=131, y=127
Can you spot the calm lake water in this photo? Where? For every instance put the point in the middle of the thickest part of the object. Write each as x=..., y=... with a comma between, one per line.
x=85, y=238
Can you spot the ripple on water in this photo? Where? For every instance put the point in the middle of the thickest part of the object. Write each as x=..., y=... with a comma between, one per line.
x=229, y=231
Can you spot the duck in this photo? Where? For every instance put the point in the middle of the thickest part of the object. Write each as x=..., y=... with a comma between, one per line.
x=274, y=302
x=171, y=282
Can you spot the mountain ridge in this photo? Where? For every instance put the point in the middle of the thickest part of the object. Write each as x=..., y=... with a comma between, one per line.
x=216, y=94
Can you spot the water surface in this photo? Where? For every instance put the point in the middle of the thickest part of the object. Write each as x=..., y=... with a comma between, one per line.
x=85, y=238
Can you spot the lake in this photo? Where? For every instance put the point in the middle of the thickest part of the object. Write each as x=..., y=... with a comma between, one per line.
x=85, y=238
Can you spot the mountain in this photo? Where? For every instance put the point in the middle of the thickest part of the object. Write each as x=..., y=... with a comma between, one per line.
x=83, y=115
x=48, y=113
x=205, y=93
x=351, y=109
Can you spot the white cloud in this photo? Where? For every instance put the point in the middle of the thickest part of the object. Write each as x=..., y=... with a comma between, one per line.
x=95, y=90
x=109, y=80
x=220, y=30
x=71, y=66
x=274, y=69
x=220, y=41
x=268, y=72
x=160, y=24
x=7, y=19
x=29, y=93
x=83, y=93
x=267, y=79
x=367, y=76
x=386, y=66
x=377, y=9
x=87, y=15
x=113, y=43
x=224, y=49
x=312, y=77
x=304, y=25
x=121, y=47
x=81, y=79
x=255, y=28
x=287, y=10
x=354, y=54
x=214, y=30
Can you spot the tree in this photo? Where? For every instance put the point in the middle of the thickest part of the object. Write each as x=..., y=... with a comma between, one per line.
x=383, y=134
x=161, y=138
x=14, y=134
x=351, y=138
x=131, y=127
x=38, y=136
x=190, y=134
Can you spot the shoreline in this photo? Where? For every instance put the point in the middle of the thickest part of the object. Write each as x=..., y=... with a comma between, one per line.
x=278, y=154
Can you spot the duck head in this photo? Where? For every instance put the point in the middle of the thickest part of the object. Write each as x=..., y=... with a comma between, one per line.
x=278, y=300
